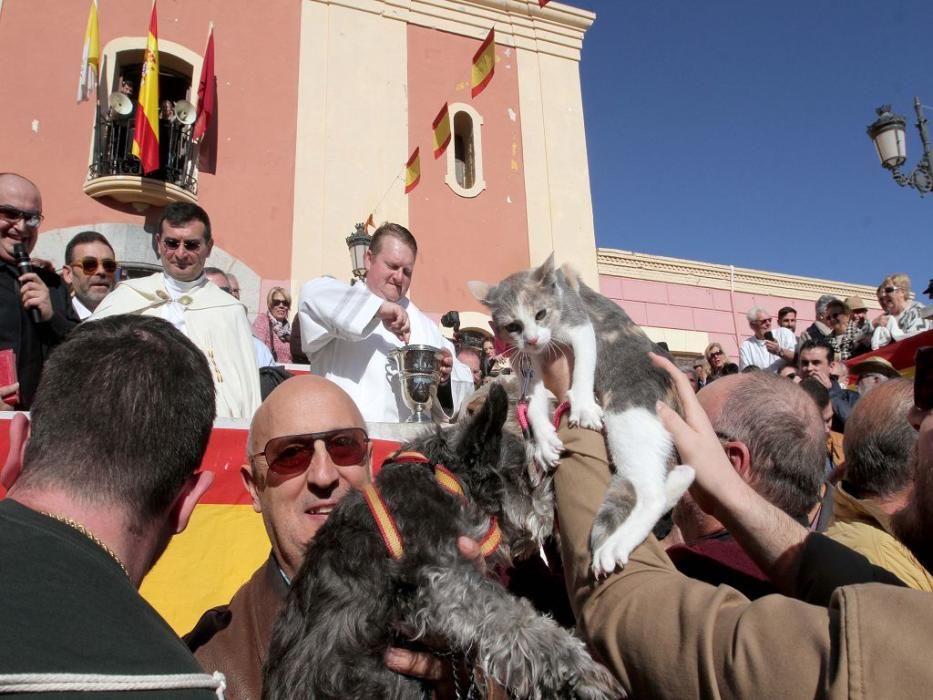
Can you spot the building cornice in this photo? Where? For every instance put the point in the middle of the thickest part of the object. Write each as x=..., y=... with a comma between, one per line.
x=624, y=263
x=554, y=29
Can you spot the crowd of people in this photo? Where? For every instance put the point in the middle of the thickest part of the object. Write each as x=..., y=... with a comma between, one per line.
x=797, y=566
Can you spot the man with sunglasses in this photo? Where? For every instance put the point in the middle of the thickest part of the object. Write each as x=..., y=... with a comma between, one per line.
x=308, y=447
x=181, y=294
x=90, y=268
x=29, y=340
x=771, y=347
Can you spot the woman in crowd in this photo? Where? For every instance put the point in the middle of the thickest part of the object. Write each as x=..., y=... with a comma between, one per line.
x=901, y=315
x=272, y=327
x=717, y=360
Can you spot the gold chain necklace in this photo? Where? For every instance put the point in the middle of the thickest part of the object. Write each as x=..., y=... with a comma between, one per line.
x=90, y=535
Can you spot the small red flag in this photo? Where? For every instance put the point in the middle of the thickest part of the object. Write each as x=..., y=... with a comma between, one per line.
x=484, y=63
x=542, y=3
x=206, y=91
x=412, y=171
x=441, y=127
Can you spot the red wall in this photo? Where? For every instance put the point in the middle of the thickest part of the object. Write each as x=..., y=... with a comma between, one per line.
x=250, y=199
x=459, y=239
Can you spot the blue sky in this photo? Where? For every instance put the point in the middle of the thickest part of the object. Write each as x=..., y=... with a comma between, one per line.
x=734, y=132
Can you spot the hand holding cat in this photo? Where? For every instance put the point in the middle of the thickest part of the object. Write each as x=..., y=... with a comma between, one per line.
x=395, y=319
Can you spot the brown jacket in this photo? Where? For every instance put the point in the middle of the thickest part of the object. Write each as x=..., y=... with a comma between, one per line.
x=667, y=636
x=234, y=638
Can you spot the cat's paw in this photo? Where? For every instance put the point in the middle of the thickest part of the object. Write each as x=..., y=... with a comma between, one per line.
x=548, y=448
x=612, y=553
x=677, y=482
x=585, y=412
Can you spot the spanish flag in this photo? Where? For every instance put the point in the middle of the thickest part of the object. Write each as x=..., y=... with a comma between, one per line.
x=413, y=171
x=146, y=134
x=90, y=57
x=441, y=127
x=484, y=63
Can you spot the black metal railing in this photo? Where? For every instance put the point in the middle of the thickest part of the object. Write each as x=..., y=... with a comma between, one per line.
x=113, y=151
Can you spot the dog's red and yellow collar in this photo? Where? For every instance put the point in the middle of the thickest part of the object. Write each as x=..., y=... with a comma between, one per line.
x=446, y=480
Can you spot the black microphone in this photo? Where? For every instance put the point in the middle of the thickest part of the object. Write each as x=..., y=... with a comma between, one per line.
x=24, y=265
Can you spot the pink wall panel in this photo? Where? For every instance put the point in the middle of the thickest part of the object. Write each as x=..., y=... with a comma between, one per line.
x=644, y=290
x=636, y=311
x=665, y=316
x=711, y=320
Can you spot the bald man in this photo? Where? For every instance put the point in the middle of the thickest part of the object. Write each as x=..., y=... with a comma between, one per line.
x=774, y=438
x=35, y=312
x=307, y=448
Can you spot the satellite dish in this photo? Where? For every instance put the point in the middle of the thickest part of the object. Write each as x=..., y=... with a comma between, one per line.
x=185, y=112
x=120, y=104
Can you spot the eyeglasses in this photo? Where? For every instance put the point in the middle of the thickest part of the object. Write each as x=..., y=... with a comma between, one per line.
x=281, y=302
x=923, y=379
x=890, y=290
x=290, y=455
x=718, y=353
x=763, y=321
x=12, y=215
x=89, y=265
x=191, y=245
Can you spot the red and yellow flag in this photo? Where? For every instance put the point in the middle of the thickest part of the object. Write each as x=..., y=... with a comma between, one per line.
x=441, y=127
x=146, y=134
x=484, y=63
x=413, y=171
x=369, y=223
x=90, y=57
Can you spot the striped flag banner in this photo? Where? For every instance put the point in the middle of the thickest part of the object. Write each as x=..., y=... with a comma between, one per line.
x=146, y=134
x=484, y=63
x=413, y=171
x=441, y=128
x=90, y=57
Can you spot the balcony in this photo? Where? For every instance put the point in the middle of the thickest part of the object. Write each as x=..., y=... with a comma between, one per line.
x=115, y=172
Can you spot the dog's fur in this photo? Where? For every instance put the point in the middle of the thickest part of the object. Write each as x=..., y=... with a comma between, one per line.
x=350, y=601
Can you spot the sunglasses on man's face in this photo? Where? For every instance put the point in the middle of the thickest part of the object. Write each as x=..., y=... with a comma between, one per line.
x=89, y=265
x=923, y=379
x=191, y=245
x=12, y=215
x=290, y=455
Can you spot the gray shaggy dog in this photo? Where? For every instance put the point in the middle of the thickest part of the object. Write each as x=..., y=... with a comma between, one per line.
x=351, y=601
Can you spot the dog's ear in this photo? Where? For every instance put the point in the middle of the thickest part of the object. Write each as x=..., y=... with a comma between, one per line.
x=480, y=440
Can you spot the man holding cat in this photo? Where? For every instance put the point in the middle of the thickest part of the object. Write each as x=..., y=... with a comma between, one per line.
x=349, y=331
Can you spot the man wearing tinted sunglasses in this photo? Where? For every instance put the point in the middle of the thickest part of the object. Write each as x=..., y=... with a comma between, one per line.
x=308, y=448
x=181, y=294
x=90, y=268
x=34, y=309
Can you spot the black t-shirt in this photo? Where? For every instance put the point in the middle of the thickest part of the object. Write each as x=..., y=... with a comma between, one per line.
x=69, y=608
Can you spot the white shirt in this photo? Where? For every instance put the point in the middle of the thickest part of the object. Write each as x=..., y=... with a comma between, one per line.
x=80, y=309
x=346, y=343
x=754, y=352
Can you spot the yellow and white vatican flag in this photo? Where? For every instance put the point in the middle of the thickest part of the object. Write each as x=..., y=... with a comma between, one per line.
x=90, y=57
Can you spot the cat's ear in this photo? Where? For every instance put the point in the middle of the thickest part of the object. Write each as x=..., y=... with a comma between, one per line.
x=570, y=276
x=480, y=291
x=545, y=273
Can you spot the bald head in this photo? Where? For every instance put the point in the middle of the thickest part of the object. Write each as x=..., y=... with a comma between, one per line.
x=20, y=212
x=879, y=440
x=303, y=404
x=781, y=427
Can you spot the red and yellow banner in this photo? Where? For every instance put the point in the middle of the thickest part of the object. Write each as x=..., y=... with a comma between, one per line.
x=441, y=128
x=90, y=57
x=484, y=63
x=900, y=354
x=146, y=134
x=413, y=171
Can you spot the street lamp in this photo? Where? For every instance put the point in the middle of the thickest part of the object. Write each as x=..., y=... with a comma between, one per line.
x=890, y=140
x=358, y=243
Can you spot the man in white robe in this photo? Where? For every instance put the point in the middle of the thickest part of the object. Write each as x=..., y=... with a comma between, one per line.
x=349, y=331
x=182, y=295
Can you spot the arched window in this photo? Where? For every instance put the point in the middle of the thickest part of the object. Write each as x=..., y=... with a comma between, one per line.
x=465, y=159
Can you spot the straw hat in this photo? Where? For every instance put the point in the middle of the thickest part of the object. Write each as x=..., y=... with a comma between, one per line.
x=875, y=365
x=855, y=303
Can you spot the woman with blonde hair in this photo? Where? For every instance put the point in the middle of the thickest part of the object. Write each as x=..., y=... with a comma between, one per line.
x=272, y=327
x=901, y=316
x=717, y=359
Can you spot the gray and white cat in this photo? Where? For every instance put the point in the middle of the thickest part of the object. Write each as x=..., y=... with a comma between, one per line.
x=541, y=309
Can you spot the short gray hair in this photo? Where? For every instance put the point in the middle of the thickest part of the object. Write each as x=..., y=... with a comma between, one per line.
x=785, y=439
x=753, y=312
x=879, y=442
x=823, y=302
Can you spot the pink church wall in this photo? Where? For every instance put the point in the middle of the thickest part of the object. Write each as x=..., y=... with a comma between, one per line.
x=715, y=312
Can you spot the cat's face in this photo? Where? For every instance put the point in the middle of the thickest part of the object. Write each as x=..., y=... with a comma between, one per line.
x=525, y=308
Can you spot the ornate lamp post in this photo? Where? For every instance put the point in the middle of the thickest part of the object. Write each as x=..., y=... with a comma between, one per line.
x=358, y=243
x=890, y=140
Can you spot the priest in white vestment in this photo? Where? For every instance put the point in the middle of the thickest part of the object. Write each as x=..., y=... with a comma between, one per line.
x=349, y=331
x=182, y=295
